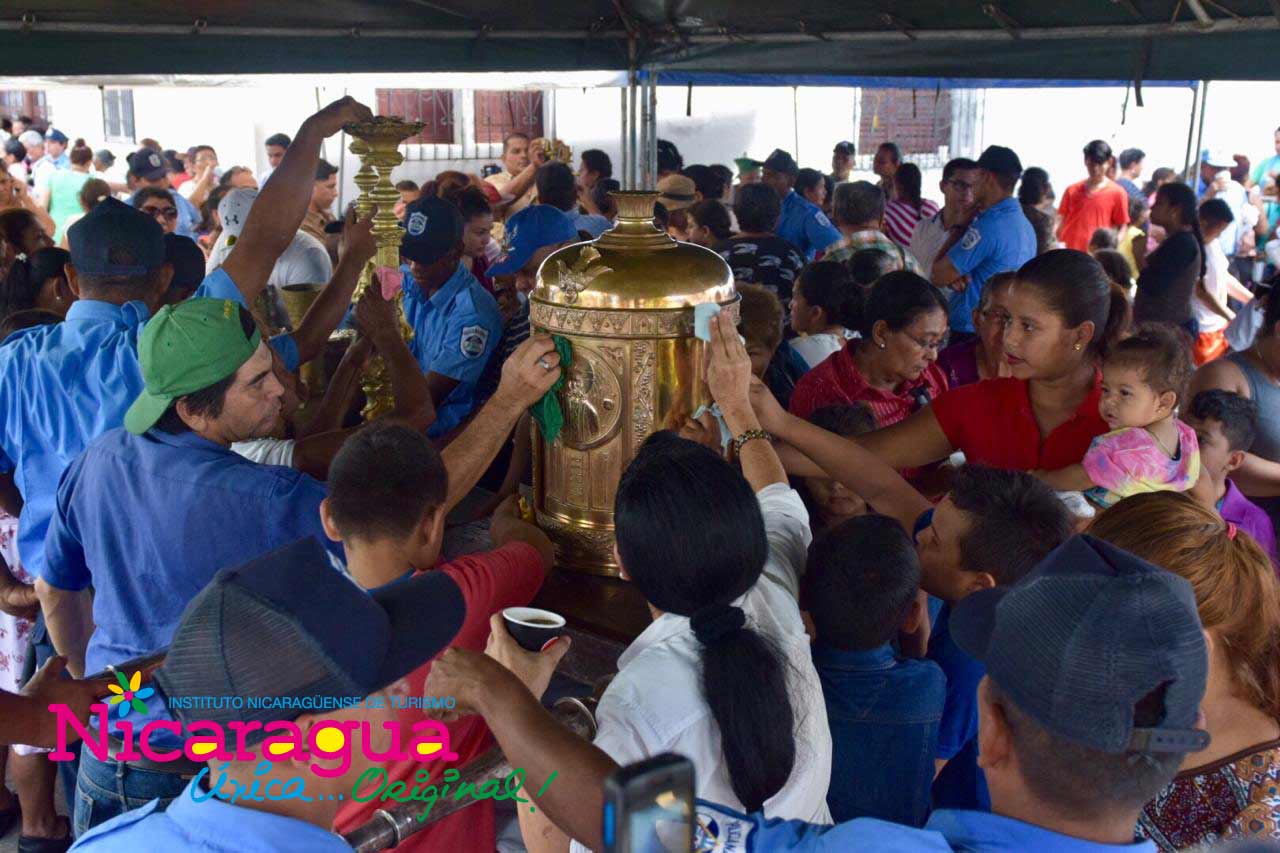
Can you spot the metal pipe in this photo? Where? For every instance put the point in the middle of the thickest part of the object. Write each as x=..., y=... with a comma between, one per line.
x=651, y=138
x=634, y=130
x=390, y=827
x=622, y=139
x=1204, y=107
x=1191, y=131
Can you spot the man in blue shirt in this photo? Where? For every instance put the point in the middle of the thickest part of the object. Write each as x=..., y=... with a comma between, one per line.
x=287, y=629
x=1000, y=238
x=803, y=224
x=455, y=322
x=187, y=506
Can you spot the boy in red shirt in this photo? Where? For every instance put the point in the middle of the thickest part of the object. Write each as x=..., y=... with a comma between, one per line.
x=1096, y=202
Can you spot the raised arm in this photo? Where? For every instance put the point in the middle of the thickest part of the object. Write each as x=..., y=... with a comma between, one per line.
x=912, y=443
x=377, y=318
x=324, y=315
x=729, y=379
x=280, y=207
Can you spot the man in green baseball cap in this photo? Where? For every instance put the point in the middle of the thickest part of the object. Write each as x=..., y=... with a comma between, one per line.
x=749, y=169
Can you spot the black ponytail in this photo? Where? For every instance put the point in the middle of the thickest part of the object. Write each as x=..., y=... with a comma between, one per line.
x=829, y=286
x=1183, y=199
x=1077, y=289
x=691, y=537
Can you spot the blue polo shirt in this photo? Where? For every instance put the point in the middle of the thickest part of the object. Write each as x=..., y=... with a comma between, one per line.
x=999, y=240
x=194, y=822
x=804, y=225
x=728, y=831
x=455, y=331
x=148, y=519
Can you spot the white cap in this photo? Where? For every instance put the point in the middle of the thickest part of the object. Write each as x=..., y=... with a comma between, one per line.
x=233, y=210
x=1219, y=157
x=31, y=137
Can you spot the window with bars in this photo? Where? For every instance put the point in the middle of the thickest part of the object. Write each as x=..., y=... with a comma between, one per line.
x=25, y=102
x=918, y=120
x=117, y=115
x=500, y=113
x=432, y=107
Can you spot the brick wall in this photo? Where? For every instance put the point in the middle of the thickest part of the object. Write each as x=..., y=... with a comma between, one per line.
x=919, y=120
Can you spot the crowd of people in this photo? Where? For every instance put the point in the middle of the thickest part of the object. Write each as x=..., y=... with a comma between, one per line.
x=988, y=561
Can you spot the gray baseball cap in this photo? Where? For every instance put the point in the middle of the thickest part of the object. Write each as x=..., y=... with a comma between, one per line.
x=1090, y=632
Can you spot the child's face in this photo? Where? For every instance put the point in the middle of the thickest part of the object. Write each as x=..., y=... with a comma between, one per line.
x=1216, y=457
x=760, y=355
x=835, y=502
x=1127, y=399
x=800, y=319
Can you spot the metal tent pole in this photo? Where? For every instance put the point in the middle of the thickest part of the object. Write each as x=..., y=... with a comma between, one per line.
x=624, y=135
x=633, y=131
x=1191, y=130
x=651, y=138
x=1204, y=105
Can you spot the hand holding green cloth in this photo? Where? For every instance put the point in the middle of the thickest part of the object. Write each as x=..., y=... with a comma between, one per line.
x=547, y=410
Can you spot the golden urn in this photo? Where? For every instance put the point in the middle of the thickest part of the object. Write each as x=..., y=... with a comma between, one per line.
x=625, y=303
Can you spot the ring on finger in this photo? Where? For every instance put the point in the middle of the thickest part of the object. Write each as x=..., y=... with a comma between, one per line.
x=546, y=365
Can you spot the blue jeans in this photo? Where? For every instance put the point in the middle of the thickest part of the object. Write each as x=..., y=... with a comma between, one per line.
x=105, y=789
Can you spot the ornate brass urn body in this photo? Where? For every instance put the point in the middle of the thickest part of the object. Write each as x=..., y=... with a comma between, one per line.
x=377, y=144
x=625, y=302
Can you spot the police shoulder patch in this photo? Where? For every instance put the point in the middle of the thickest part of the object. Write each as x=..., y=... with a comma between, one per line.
x=417, y=224
x=473, y=340
x=970, y=239
x=822, y=219
x=719, y=830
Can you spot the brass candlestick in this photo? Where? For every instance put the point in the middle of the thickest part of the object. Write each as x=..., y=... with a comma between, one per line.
x=377, y=144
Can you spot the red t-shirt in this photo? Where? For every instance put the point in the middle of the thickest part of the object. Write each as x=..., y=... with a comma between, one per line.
x=490, y=581
x=992, y=422
x=1084, y=212
x=838, y=381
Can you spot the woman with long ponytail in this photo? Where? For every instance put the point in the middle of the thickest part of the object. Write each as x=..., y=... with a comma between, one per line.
x=723, y=675
x=908, y=206
x=1167, y=285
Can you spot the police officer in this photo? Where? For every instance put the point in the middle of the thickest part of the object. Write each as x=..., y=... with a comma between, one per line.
x=999, y=239
x=803, y=224
x=456, y=323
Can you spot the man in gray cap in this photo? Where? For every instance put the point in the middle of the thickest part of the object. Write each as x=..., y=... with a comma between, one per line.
x=1096, y=666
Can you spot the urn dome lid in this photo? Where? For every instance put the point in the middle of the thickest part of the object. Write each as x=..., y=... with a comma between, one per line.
x=634, y=266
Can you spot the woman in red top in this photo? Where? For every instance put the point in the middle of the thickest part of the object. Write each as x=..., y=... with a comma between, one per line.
x=1063, y=311
x=1096, y=202
x=891, y=366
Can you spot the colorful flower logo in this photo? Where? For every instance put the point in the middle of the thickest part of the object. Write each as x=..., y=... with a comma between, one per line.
x=128, y=695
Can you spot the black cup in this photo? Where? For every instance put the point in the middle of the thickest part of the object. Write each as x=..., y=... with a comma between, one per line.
x=532, y=628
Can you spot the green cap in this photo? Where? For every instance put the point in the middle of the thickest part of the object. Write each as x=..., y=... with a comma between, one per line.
x=746, y=164
x=183, y=349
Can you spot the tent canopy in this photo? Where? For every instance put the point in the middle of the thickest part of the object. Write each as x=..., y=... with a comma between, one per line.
x=1090, y=40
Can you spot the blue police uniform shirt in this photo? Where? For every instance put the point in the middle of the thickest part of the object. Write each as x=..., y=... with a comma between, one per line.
x=218, y=285
x=593, y=223
x=999, y=240
x=455, y=331
x=726, y=831
x=196, y=820
x=805, y=226
x=148, y=519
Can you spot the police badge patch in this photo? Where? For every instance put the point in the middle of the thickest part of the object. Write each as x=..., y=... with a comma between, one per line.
x=473, y=340
x=417, y=224
x=822, y=219
x=970, y=239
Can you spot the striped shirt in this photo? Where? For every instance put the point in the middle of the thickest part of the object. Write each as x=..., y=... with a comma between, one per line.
x=900, y=219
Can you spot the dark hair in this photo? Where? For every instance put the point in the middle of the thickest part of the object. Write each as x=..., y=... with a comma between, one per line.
x=892, y=148
x=1129, y=156
x=1097, y=151
x=860, y=580
x=669, y=159
x=845, y=149
x=515, y=134
x=960, y=164
x=856, y=202
x=384, y=480
x=210, y=207
x=15, y=148
x=325, y=170
x=1042, y=224
x=407, y=185
x=759, y=314
x=660, y=216
x=866, y=266
x=1102, y=238
x=21, y=287
x=1034, y=187
x=692, y=538
x=207, y=401
x=1216, y=211
x=724, y=173
x=94, y=191
x=1015, y=520
x=897, y=299
x=16, y=220
x=557, y=186
x=757, y=207
x=828, y=285
x=26, y=319
x=1077, y=289
x=472, y=202
x=1237, y=415
x=600, y=195
x=909, y=183
x=230, y=175
x=597, y=161
x=172, y=161
x=715, y=216
x=1082, y=781
x=187, y=261
x=705, y=180
x=997, y=281
x=81, y=155
x=844, y=419
x=1164, y=173
x=1183, y=199
x=145, y=194
x=1115, y=265
x=1161, y=352
x=1137, y=208
x=280, y=140
x=807, y=179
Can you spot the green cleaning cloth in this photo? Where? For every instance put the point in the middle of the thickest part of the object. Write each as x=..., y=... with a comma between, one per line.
x=547, y=410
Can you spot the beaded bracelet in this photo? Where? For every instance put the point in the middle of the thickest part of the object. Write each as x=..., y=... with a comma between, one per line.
x=749, y=435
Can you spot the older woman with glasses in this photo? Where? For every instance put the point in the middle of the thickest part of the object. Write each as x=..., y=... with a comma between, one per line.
x=159, y=204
